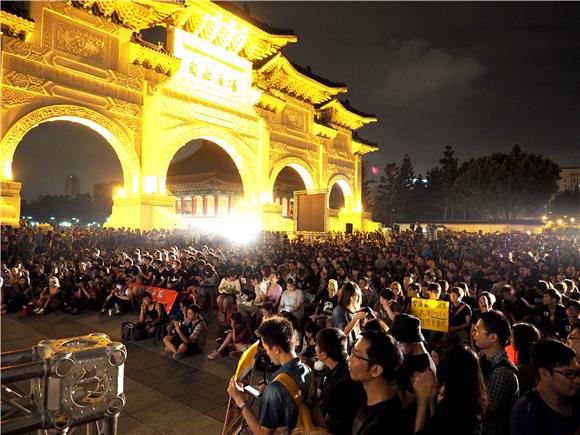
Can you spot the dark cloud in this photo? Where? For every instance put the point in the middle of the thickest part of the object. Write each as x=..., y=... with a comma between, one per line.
x=417, y=70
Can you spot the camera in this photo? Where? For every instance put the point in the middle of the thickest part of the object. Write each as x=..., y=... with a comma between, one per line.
x=368, y=311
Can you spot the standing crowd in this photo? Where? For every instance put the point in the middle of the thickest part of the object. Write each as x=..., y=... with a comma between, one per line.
x=335, y=322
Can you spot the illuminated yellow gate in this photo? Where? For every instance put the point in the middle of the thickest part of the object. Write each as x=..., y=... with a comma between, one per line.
x=220, y=78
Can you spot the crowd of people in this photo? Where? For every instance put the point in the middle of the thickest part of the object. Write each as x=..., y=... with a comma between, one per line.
x=335, y=311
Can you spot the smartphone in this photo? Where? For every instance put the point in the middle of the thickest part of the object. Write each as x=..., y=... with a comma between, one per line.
x=251, y=390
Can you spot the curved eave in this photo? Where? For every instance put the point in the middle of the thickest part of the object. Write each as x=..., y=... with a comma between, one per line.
x=135, y=15
x=259, y=44
x=16, y=26
x=343, y=116
x=355, y=114
x=361, y=146
x=279, y=65
x=277, y=39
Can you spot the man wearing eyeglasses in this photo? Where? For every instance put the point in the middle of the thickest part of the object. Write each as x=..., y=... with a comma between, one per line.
x=491, y=334
x=552, y=408
x=373, y=362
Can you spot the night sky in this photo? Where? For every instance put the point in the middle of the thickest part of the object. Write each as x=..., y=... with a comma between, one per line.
x=481, y=77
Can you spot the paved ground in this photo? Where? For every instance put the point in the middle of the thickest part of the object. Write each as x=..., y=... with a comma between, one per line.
x=164, y=396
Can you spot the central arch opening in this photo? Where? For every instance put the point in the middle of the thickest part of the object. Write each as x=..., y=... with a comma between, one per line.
x=287, y=182
x=205, y=181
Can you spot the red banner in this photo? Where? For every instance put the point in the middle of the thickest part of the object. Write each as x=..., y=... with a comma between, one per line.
x=162, y=295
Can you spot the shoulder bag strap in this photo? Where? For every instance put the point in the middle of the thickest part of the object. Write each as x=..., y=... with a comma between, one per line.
x=288, y=383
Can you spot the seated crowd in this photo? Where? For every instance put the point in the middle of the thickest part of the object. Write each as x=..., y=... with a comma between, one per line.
x=338, y=309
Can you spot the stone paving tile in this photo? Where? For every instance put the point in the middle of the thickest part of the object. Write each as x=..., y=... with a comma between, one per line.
x=217, y=393
x=169, y=389
x=188, y=382
x=200, y=425
x=166, y=415
x=206, y=378
x=142, y=398
x=146, y=377
x=129, y=425
x=172, y=369
x=197, y=402
x=130, y=384
x=218, y=413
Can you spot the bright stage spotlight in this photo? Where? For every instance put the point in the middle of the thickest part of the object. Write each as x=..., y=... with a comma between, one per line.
x=239, y=229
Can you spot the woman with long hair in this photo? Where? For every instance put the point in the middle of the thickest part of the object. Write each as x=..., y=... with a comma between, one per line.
x=524, y=336
x=346, y=316
x=456, y=405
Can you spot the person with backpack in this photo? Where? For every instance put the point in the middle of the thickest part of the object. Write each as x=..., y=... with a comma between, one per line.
x=492, y=334
x=278, y=409
x=553, y=407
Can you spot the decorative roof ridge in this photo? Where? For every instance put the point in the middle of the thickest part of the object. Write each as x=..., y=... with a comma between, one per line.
x=300, y=71
x=307, y=71
x=244, y=14
x=346, y=106
x=137, y=38
x=357, y=138
x=11, y=8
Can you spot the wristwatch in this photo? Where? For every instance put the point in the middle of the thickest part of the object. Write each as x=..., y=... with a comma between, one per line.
x=242, y=405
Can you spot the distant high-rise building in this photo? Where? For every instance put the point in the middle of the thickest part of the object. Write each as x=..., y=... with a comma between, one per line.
x=72, y=186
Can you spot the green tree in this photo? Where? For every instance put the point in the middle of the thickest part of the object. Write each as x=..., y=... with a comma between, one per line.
x=393, y=194
x=442, y=181
x=506, y=186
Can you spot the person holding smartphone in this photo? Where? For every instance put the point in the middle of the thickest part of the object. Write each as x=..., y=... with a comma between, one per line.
x=119, y=299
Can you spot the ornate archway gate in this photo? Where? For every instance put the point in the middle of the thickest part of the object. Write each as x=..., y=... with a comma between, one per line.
x=221, y=77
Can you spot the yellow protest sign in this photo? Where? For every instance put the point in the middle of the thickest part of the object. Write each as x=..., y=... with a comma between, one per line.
x=434, y=314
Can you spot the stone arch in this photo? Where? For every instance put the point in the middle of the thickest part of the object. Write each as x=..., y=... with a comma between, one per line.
x=96, y=121
x=236, y=148
x=346, y=186
x=302, y=167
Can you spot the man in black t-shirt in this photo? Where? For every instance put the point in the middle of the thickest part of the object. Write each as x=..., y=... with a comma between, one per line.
x=373, y=362
x=341, y=397
x=160, y=274
x=515, y=307
x=553, y=406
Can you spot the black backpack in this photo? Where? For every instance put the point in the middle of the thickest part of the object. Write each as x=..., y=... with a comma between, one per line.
x=133, y=332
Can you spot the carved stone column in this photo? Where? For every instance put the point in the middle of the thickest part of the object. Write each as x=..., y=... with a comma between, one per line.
x=10, y=203
x=144, y=211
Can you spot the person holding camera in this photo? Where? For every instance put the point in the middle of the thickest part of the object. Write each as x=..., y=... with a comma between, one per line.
x=347, y=315
x=187, y=337
x=277, y=408
x=119, y=297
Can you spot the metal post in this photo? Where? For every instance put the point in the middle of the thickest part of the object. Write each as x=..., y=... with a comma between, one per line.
x=9, y=358
x=22, y=424
x=111, y=424
x=22, y=371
